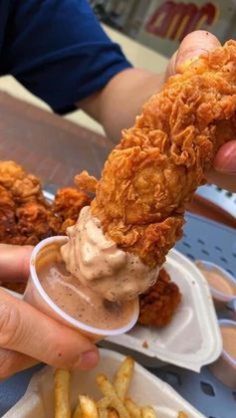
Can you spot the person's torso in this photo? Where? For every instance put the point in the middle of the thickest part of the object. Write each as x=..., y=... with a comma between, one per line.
x=5, y=6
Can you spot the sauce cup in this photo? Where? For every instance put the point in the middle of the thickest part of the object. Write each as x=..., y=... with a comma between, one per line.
x=222, y=297
x=225, y=367
x=37, y=297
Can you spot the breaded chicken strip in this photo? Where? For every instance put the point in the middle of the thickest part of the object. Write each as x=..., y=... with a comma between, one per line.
x=152, y=174
x=159, y=304
x=67, y=205
x=35, y=222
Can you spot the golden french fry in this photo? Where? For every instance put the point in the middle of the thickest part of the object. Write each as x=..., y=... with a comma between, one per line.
x=62, y=394
x=102, y=412
x=109, y=392
x=123, y=377
x=102, y=406
x=148, y=412
x=134, y=410
x=88, y=407
x=103, y=402
x=182, y=415
x=77, y=412
x=112, y=413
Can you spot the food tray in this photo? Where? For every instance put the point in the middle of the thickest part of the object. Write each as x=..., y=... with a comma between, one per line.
x=202, y=239
x=176, y=343
x=145, y=389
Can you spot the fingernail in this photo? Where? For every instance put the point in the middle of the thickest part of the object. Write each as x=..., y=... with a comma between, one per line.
x=87, y=360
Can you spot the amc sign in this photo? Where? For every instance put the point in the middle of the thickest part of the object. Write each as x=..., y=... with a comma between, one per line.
x=167, y=22
x=175, y=20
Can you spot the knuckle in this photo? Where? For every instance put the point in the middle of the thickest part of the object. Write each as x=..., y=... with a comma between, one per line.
x=9, y=323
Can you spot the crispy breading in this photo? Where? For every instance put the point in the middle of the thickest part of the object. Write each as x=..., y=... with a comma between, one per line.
x=86, y=182
x=152, y=174
x=25, y=216
x=9, y=173
x=158, y=305
x=67, y=205
x=36, y=222
x=28, y=188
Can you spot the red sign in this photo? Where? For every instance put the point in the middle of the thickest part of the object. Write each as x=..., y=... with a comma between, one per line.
x=174, y=20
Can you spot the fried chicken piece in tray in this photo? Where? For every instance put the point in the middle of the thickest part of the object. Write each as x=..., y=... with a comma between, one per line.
x=158, y=305
x=8, y=228
x=152, y=174
x=25, y=216
x=67, y=205
x=36, y=222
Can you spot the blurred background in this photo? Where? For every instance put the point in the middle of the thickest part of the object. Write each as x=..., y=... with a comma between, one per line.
x=161, y=25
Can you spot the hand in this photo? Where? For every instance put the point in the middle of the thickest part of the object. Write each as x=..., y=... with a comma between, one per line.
x=27, y=335
x=197, y=43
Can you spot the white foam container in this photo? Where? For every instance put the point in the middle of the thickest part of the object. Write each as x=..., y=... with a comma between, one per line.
x=145, y=389
x=193, y=338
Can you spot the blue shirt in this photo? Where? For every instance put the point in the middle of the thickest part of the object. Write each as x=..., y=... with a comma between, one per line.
x=57, y=49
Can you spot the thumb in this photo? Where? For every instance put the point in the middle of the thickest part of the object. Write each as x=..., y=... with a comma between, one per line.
x=25, y=330
x=193, y=45
x=14, y=262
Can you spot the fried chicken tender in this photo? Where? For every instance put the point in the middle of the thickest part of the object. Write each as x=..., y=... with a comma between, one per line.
x=152, y=174
x=158, y=305
x=25, y=216
x=67, y=205
x=86, y=182
x=36, y=222
x=7, y=214
x=9, y=173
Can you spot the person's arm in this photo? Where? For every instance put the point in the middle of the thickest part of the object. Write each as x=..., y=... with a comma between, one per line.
x=121, y=100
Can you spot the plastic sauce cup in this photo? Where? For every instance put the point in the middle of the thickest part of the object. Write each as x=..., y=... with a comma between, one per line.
x=225, y=367
x=37, y=297
x=228, y=284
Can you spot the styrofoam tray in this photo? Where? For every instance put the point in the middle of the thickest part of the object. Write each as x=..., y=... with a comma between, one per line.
x=145, y=389
x=193, y=337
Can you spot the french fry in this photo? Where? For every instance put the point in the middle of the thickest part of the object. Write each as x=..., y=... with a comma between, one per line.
x=148, y=412
x=109, y=392
x=102, y=412
x=77, y=412
x=103, y=402
x=88, y=407
x=112, y=413
x=123, y=377
x=134, y=410
x=61, y=394
x=102, y=406
x=182, y=415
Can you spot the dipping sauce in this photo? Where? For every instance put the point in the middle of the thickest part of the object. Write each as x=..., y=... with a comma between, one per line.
x=222, y=284
x=225, y=367
x=99, y=264
x=78, y=301
x=229, y=340
x=219, y=282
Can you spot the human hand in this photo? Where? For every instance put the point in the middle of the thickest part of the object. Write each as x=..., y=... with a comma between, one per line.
x=27, y=336
x=224, y=168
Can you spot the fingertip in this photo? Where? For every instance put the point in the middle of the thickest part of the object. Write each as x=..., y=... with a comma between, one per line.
x=195, y=44
x=225, y=159
x=88, y=360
